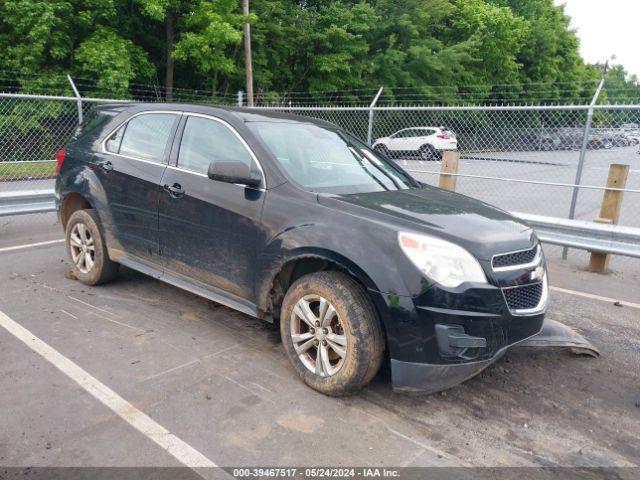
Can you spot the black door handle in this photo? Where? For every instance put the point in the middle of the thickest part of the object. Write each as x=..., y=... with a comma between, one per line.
x=175, y=190
x=106, y=166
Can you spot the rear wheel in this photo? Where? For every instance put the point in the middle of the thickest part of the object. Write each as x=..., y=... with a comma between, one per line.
x=85, y=244
x=429, y=152
x=331, y=333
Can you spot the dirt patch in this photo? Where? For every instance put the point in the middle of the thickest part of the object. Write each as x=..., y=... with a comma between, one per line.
x=300, y=422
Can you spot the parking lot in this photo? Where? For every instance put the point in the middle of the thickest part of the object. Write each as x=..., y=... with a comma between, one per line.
x=557, y=167
x=218, y=387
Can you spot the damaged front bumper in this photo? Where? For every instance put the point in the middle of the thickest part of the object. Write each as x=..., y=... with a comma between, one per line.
x=424, y=378
x=427, y=378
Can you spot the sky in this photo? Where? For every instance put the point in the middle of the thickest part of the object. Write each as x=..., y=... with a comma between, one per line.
x=607, y=28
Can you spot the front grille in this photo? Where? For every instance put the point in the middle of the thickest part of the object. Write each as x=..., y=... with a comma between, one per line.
x=524, y=297
x=516, y=258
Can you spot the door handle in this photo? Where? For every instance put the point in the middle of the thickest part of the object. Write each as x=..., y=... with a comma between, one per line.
x=175, y=190
x=106, y=166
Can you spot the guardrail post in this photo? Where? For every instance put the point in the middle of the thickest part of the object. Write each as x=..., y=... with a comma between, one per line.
x=610, y=211
x=78, y=101
x=450, y=160
x=370, y=126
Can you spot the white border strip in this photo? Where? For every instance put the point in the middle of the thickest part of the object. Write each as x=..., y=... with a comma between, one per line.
x=173, y=445
x=595, y=297
x=30, y=245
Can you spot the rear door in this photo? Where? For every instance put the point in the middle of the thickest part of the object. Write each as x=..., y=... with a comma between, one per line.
x=210, y=229
x=134, y=159
x=416, y=138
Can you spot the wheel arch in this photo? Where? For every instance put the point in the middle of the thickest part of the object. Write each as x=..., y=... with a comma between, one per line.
x=304, y=262
x=72, y=202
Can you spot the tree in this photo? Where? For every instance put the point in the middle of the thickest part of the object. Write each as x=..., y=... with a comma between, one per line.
x=69, y=36
x=113, y=60
x=207, y=30
x=443, y=51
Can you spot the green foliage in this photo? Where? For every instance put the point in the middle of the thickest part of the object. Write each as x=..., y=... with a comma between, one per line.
x=113, y=60
x=441, y=50
x=210, y=27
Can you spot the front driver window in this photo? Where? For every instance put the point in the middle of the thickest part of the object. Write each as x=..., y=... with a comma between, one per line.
x=205, y=141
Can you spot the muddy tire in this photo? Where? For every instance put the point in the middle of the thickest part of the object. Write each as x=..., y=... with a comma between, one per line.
x=86, y=248
x=331, y=333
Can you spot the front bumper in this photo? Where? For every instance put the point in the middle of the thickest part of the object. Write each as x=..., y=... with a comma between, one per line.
x=424, y=378
x=445, y=336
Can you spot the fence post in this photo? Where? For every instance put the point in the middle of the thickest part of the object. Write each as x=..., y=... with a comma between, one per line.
x=373, y=104
x=449, y=165
x=240, y=100
x=610, y=211
x=583, y=154
x=78, y=101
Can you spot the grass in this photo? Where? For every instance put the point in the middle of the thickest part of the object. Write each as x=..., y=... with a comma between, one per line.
x=27, y=170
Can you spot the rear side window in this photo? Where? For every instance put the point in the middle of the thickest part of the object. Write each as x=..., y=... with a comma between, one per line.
x=205, y=141
x=144, y=137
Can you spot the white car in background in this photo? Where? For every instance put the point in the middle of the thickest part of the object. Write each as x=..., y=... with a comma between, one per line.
x=424, y=143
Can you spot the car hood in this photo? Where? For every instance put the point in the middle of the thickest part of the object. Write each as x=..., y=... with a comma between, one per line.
x=482, y=229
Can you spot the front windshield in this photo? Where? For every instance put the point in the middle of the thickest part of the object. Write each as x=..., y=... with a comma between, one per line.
x=329, y=161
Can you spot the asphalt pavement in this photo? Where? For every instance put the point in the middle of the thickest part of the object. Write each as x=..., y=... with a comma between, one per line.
x=90, y=375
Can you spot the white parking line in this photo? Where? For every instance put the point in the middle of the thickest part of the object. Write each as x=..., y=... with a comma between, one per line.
x=595, y=297
x=174, y=446
x=30, y=245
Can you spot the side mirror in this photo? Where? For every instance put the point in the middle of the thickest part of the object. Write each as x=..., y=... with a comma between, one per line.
x=233, y=172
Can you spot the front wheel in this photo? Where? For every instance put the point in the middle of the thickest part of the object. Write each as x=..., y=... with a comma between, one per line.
x=87, y=250
x=331, y=333
x=383, y=150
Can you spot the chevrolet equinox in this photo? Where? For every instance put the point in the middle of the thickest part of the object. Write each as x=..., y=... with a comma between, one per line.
x=296, y=221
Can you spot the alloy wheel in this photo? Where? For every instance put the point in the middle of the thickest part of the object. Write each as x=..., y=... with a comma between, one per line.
x=318, y=335
x=82, y=247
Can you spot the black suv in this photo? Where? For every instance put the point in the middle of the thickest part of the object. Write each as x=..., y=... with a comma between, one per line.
x=295, y=220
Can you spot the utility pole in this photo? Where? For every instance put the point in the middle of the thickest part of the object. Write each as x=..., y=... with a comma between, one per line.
x=248, y=64
x=170, y=61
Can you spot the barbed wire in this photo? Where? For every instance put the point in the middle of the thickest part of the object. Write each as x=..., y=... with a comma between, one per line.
x=547, y=93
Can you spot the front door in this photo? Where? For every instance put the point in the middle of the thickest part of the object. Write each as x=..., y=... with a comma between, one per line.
x=133, y=161
x=209, y=229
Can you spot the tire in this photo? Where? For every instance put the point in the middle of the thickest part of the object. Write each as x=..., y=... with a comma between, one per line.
x=90, y=262
x=382, y=149
x=428, y=152
x=354, y=328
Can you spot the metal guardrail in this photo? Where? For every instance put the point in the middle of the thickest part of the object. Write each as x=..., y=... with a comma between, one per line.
x=580, y=234
x=27, y=201
x=584, y=235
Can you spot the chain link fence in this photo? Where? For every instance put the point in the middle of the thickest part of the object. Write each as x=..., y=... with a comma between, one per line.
x=522, y=159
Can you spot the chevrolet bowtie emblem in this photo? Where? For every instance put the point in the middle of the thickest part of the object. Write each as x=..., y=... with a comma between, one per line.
x=537, y=274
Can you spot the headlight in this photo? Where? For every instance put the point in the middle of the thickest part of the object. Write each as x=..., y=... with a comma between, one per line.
x=443, y=262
